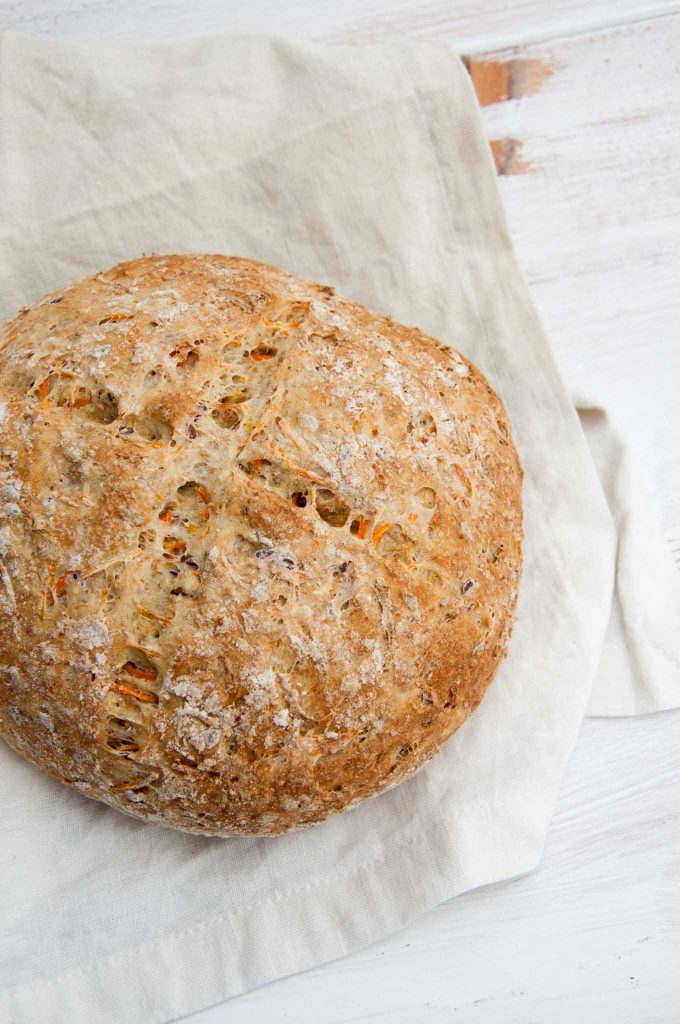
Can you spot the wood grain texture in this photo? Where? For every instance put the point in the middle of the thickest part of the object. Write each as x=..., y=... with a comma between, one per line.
x=594, y=934
x=596, y=225
x=499, y=80
x=476, y=26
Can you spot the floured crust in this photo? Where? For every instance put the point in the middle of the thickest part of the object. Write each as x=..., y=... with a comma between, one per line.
x=259, y=546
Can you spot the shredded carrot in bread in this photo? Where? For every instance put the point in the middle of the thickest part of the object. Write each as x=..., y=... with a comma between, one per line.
x=280, y=327
x=116, y=318
x=132, y=691
x=310, y=476
x=362, y=528
x=464, y=477
x=173, y=545
x=166, y=514
x=203, y=494
x=139, y=673
x=60, y=585
x=380, y=532
x=152, y=615
x=44, y=391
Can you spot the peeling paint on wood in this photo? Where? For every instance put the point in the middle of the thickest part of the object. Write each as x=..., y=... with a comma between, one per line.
x=507, y=155
x=498, y=80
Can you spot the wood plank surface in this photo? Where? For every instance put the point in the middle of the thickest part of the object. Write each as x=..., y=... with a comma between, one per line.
x=594, y=210
x=476, y=25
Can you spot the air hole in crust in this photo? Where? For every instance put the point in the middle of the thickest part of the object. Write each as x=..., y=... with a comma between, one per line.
x=424, y=427
x=236, y=396
x=123, y=735
x=137, y=677
x=226, y=416
x=119, y=746
x=427, y=497
x=152, y=427
x=263, y=352
x=100, y=406
x=431, y=577
x=331, y=508
x=184, y=360
x=391, y=541
x=125, y=774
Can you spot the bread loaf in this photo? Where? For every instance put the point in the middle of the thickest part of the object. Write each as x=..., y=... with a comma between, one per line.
x=259, y=546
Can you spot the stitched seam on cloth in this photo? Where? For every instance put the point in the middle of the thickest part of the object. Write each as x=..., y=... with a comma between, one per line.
x=213, y=919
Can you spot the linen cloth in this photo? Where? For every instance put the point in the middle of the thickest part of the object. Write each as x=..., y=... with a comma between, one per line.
x=366, y=169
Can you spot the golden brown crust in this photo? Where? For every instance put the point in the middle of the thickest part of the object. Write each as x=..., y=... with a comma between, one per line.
x=259, y=547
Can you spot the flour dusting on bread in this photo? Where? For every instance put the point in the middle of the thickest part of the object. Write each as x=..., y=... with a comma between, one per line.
x=259, y=546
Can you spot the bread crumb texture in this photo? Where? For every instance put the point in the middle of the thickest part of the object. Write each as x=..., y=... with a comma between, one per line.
x=259, y=547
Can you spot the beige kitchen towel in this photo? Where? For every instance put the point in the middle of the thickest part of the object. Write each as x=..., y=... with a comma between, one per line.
x=368, y=169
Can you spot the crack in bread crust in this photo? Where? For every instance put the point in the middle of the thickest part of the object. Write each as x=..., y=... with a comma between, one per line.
x=260, y=547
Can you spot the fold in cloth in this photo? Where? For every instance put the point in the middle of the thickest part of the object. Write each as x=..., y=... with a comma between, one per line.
x=639, y=670
x=367, y=169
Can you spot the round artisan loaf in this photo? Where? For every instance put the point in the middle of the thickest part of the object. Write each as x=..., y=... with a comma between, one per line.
x=259, y=546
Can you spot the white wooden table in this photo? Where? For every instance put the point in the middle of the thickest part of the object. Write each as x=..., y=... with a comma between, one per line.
x=593, y=197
